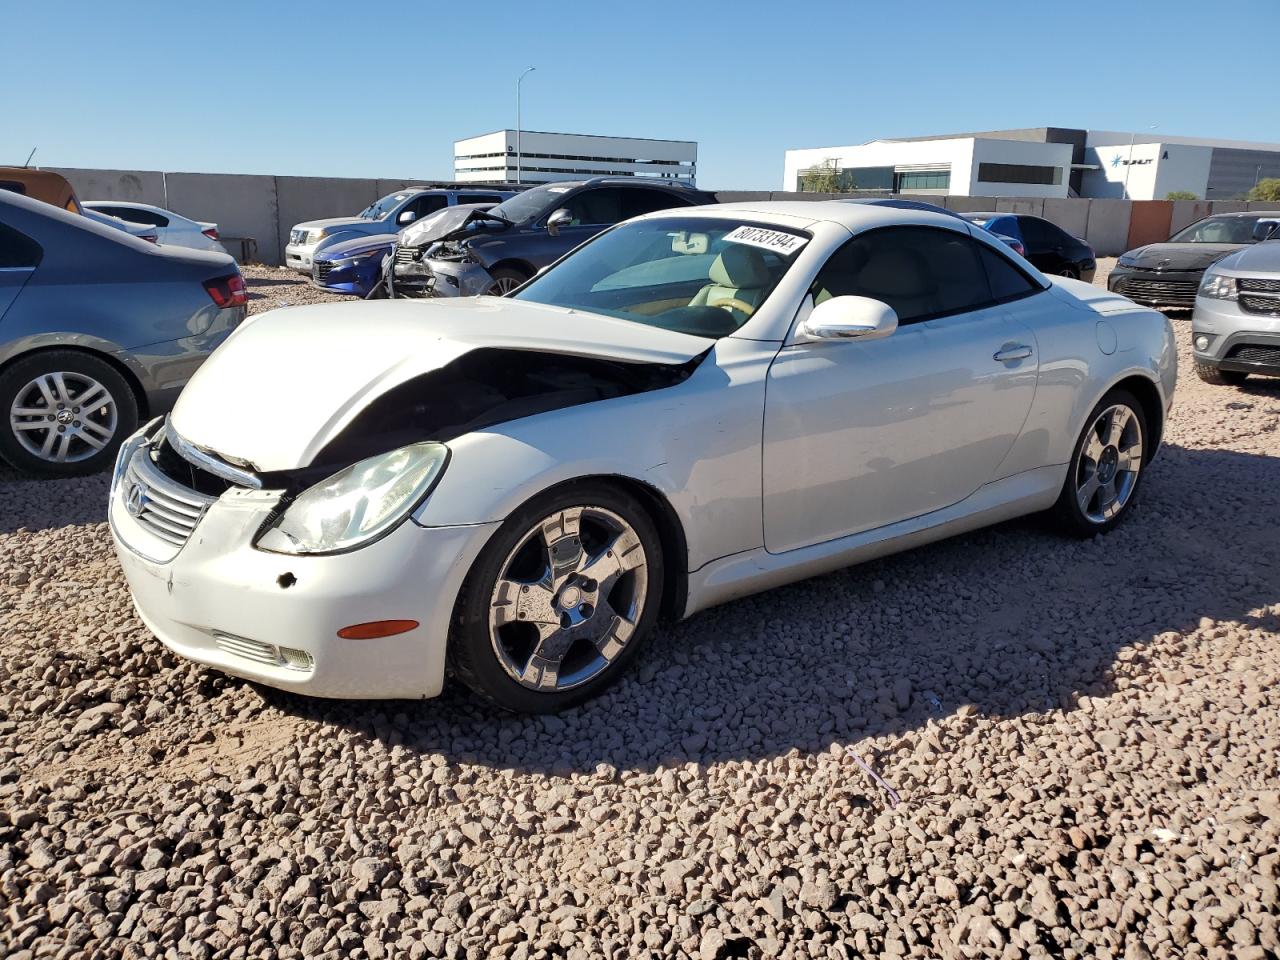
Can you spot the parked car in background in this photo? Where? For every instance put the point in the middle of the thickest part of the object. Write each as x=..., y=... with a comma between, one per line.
x=44, y=185
x=169, y=227
x=1050, y=248
x=386, y=216
x=696, y=405
x=351, y=266
x=1168, y=274
x=115, y=223
x=98, y=331
x=1235, y=328
x=496, y=250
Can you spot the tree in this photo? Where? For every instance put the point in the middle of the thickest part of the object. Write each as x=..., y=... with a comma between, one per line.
x=1180, y=195
x=823, y=177
x=1268, y=189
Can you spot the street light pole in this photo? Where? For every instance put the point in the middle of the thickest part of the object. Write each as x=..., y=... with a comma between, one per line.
x=1129, y=163
x=519, y=156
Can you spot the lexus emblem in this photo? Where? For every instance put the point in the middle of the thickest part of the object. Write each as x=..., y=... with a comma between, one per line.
x=135, y=500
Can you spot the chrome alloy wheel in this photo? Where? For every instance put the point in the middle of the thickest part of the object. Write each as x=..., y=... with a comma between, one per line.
x=1110, y=460
x=568, y=598
x=63, y=417
x=504, y=285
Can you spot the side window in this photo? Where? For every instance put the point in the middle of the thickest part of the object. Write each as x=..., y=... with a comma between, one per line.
x=922, y=272
x=18, y=250
x=427, y=203
x=596, y=207
x=1008, y=282
x=639, y=201
x=478, y=198
x=1034, y=233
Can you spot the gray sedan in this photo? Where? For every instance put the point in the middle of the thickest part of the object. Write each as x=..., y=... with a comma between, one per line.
x=98, y=331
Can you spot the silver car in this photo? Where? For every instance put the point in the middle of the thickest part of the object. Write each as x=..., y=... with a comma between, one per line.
x=1235, y=330
x=99, y=331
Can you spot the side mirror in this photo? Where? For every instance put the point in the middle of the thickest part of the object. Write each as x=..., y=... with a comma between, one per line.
x=1265, y=230
x=848, y=318
x=407, y=217
x=560, y=218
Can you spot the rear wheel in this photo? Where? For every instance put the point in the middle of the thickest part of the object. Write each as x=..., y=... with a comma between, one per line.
x=65, y=413
x=1219, y=378
x=1071, y=272
x=560, y=601
x=506, y=279
x=1106, y=467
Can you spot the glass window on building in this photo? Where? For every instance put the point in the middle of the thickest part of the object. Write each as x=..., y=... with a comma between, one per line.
x=910, y=180
x=1019, y=173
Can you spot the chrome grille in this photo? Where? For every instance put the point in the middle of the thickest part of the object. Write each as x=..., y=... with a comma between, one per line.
x=1172, y=292
x=164, y=507
x=1254, y=304
x=405, y=254
x=320, y=269
x=1259, y=284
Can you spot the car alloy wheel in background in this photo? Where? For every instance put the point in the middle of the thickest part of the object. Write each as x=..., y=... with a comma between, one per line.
x=505, y=280
x=66, y=413
x=560, y=599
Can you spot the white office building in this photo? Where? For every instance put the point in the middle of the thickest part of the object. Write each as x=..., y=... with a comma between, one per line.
x=1039, y=162
x=533, y=156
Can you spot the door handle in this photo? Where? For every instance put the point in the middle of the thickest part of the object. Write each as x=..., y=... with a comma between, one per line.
x=1018, y=351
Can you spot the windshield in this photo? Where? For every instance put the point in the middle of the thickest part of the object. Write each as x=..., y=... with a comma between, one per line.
x=699, y=275
x=379, y=210
x=1218, y=230
x=531, y=203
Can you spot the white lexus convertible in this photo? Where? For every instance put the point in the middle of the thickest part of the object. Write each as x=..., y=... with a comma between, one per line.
x=350, y=499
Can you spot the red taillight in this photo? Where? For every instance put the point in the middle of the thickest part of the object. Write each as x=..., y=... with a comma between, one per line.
x=1019, y=249
x=211, y=233
x=228, y=291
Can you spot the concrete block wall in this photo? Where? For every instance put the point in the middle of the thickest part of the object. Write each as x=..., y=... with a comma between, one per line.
x=264, y=208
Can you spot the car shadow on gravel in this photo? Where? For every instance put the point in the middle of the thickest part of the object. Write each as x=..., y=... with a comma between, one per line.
x=39, y=503
x=1012, y=620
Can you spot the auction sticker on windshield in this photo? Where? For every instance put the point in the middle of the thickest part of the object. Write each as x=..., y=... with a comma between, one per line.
x=775, y=240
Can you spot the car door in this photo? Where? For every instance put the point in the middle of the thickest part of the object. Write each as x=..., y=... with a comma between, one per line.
x=862, y=434
x=1043, y=249
x=19, y=257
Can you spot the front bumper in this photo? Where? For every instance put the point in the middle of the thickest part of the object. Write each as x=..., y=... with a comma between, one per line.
x=441, y=278
x=298, y=256
x=1239, y=340
x=219, y=601
x=1156, y=288
x=356, y=277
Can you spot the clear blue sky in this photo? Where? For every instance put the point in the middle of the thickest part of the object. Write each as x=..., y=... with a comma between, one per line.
x=384, y=88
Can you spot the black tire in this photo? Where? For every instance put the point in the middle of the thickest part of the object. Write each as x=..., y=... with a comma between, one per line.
x=1068, y=513
x=472, y=656
x=120, y=418
x=1069, y=271
x=1219, y=378
x=506, y=279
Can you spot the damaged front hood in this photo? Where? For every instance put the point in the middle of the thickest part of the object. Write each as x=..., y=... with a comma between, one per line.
x=1180, y=256
x=445, y=225
x=286, y=383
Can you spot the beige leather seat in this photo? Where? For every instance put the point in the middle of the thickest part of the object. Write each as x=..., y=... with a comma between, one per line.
x=901, y=279
x=739, y=273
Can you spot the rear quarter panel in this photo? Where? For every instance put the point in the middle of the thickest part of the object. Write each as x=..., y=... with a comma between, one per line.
x=1076, y=371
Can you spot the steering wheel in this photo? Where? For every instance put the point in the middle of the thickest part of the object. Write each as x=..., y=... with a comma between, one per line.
x=733, y=303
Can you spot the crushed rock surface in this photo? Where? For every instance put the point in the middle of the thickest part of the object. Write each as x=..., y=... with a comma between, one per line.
x=1084, y=737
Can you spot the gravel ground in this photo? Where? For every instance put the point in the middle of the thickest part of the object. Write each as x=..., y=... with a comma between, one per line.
x=1078, y=743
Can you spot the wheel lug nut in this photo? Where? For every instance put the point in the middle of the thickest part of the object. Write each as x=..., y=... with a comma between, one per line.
x=75, y=423
x=62, y=429
x=586, y=610
x=50, y=417
x=75, y=409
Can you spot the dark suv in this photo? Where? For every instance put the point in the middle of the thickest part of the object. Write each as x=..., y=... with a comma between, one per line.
x=496, y=250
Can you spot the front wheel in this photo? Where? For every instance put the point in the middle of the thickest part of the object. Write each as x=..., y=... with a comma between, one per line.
x=506, y=279
x=560, y=601
x=1106, y=467
x=65, y=413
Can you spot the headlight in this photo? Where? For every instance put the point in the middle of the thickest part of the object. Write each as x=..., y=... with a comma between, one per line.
x=1219, y=287
x=1127, y=261
x=358, y=504
x=315, y=236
